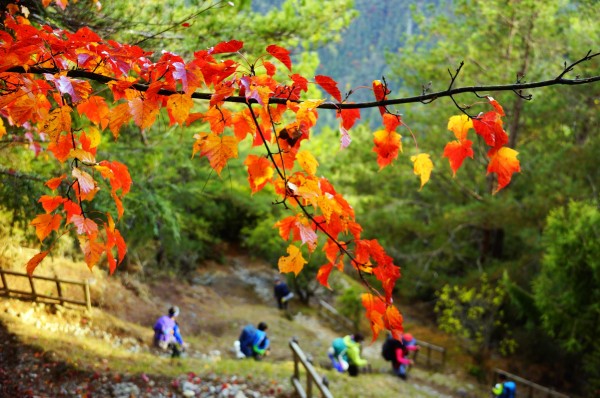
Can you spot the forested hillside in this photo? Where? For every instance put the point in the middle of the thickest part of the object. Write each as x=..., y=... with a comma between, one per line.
x=513, y=273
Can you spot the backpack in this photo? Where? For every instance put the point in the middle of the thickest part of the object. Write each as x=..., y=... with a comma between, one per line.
x=388, y=350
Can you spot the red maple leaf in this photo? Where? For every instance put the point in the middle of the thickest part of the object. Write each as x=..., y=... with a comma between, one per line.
x=329, y=85
x=281, y=54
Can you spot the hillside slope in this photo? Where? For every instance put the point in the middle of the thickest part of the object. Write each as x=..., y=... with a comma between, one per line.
x=49, y=350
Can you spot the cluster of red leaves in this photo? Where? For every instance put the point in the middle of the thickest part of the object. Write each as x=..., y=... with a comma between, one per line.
x=45, y=79
x=503, y=160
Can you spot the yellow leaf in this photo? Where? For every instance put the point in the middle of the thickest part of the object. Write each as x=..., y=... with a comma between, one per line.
x=308, y=162
x=292, y=263
x=2, y=128
x=422, y=167
x=82, y=155
x=93, y=134
x=179, y=106
x=58, y=120
x=460, y=125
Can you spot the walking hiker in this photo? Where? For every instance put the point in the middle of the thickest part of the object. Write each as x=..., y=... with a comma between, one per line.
x=504, y=388
x=344, y=354
x=282, y=293
x=253, y=342
x=167, y=335
x=396, y=352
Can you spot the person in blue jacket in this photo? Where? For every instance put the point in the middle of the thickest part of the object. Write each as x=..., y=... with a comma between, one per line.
x=504, y=388
x=253, y=341
x=167, y=335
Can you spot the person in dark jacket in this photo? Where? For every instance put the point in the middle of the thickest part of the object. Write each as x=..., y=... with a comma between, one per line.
x=282, y=293
x=167, y=335
x=253, y=342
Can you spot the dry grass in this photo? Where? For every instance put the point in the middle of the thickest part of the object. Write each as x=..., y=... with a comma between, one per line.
x=212, y=316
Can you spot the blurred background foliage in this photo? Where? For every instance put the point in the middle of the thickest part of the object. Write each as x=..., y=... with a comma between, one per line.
x=536, y=241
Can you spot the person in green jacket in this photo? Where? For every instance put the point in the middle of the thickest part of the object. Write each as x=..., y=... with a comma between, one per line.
x=345, y=354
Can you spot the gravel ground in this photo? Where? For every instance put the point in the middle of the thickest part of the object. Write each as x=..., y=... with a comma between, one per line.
x=28, y=373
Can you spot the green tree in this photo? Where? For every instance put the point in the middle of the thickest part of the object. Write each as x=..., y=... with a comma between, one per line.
x=474, y=314
x=566, y=289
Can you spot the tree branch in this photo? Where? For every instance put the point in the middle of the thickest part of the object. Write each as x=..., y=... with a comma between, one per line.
x=425, y=97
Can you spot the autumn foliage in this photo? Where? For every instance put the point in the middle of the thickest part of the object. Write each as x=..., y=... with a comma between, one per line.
x=49, y=81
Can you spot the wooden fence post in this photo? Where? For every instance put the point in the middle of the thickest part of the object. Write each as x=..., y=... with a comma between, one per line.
x=59, y=291
x=4, y=284
x=88, y=299
x=33, y=293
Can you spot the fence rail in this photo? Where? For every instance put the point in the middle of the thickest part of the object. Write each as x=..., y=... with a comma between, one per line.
x=312, y=377
x=528, y=388
x=340, y=320
x=35, y=295
x=435, y=355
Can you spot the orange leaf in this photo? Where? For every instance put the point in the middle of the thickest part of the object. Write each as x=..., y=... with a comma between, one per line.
x=281, y=54
x=323, y=275
x=53, y=183
x=375, y=308
x=456, y=152
x=71, y=208
x=393, y=320
x=218, y=149
x=387, y=145
x=143, y=111
x=329, y=85
x=179, y=106
x=46, y=223
x=287, y=226
x=119, y=115
x=422, y=167
x=92, y=250
x=504, y=163
x=84, y=225
x=243, y=124
x=496, y=105
x=96, y=110
x=391, y=122
x=260, y=172
x=50, y=203
x=35, y=261
x=294, y=262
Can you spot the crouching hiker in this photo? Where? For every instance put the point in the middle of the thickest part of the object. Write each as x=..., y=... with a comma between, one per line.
x=167, y=335
x=344, y=354
x=253, y=342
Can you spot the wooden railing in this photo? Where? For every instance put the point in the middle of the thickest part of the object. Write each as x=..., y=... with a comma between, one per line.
x=526, y=388
x=434, y=355
x=34, y=294
x=312, y=377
